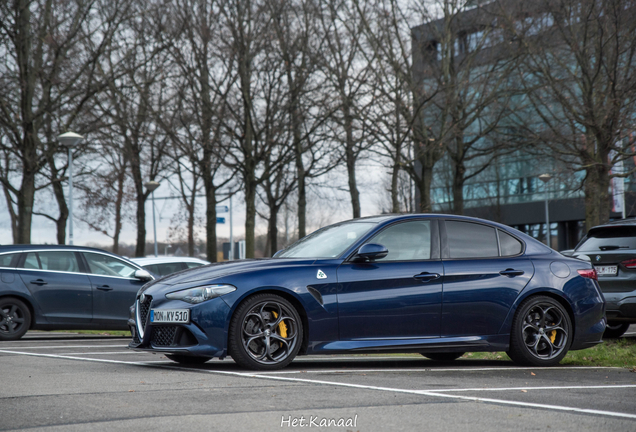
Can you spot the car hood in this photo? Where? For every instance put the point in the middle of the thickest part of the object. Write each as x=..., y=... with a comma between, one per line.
x=218, y=270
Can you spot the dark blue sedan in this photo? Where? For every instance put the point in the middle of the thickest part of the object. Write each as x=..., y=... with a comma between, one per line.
x=437, y=285
x=65, y=287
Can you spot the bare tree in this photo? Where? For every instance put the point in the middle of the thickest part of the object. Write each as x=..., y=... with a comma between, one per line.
x=49, y=76
x=347, y=72
x=130, y=101
x=580, y=85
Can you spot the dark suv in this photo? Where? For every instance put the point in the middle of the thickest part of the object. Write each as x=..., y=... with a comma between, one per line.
x=65, y=287
x=612, y=250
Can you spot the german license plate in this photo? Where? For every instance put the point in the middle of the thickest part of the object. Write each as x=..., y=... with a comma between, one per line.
x=181, y=316
x=606, y=270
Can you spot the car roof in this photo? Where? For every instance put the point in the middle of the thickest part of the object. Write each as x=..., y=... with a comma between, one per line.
x=30, y=247
x=166, y=259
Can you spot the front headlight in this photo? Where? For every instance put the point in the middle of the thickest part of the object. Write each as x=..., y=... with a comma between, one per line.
x=200, y=294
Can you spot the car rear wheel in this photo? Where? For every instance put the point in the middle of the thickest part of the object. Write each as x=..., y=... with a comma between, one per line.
x=443, y=357
x=183, y=359
x=541, y=332
x=265, y=333
x=15, y=319
x=615, y=330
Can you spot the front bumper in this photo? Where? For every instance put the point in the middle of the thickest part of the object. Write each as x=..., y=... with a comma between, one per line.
x=205, y=335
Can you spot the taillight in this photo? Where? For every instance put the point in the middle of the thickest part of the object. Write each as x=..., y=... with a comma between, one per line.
x=630, y=263
x=588, y=273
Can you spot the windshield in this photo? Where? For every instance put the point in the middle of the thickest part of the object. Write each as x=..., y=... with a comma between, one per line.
x=328, y=242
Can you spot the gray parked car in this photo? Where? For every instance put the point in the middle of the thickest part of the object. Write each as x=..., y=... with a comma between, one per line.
x=65, y=287
x=612, y=250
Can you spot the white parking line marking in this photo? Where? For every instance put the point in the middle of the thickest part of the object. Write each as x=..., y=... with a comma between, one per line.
x=430, y=393
x=428, y=369
x=66, y=346
x=446, y=390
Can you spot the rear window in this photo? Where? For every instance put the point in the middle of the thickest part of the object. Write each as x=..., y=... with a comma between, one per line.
x=609, y=238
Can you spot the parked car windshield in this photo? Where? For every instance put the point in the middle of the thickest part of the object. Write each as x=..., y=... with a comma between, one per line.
x=328, y=242
x=609, y=238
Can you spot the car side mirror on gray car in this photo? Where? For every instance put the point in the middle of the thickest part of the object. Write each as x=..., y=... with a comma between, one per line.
x=143, y=275
x=372, y=252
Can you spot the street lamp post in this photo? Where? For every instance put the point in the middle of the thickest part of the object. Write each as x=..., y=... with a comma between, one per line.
x=70, y=140
x=150, y=187
x=545, y=178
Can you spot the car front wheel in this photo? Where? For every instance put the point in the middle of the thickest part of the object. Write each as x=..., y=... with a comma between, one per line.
x=541, y=332
x=15, y=319
x=265, y=333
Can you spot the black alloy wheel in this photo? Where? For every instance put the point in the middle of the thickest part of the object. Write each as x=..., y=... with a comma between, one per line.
x=265, y=333
x=15, y=319
x=443, y=357
x=190, y=360
x=541, y=332
x=614, y=330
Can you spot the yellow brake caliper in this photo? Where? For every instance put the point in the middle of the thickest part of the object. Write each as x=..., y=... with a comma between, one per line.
x=282, y=327
x=552, y=335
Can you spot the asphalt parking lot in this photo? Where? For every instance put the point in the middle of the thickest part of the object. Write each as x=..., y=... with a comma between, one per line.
x=68, y=382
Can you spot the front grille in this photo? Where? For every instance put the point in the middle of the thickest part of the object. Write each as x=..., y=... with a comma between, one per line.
x=163, y=335
x=144, y=308
x=142, y=316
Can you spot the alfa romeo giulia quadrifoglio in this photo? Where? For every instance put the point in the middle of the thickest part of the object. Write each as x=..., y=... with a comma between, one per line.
x=437, y=285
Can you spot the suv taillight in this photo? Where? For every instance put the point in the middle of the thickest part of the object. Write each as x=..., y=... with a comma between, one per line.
x=588, y=273
x=630, y=263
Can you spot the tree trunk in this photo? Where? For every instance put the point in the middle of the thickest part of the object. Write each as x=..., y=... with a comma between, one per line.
x=191, y=227
x=250, y=213
x=210, y=216
x=272, y=230
x=26, y=197
x=12, y=214
x=597, y=198
x=118, y=203
x=459, y=171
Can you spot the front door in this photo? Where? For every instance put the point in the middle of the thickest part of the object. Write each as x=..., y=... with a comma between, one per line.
x=62, y=293
x=114, y=289
x=398, y=296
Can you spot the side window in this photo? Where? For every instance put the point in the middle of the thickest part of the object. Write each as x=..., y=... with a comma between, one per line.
x=9, y=260
x=406, y=241
x=106, y=265
x=169, y=268
x=31, y=261
x=193, y=264
x=471, y=240
x=58, y=261
x=509, y=245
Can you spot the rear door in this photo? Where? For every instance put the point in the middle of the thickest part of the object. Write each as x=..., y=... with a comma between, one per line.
x=61, y=292
x=398, y=296
x=484, y=272
x=114, y=288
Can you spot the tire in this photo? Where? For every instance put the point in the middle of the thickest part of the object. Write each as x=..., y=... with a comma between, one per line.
x=266, y=333
x=614, y=330
x=15, y=319
x=541, y=332
x=190, y=360
x=443, y=357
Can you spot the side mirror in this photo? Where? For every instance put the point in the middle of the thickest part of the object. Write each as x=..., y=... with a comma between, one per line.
x=372, y=251
x=143, y=275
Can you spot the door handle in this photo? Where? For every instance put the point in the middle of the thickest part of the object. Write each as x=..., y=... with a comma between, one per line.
x=426, y=277
x=38, y=282
x=104, y=288
x=511, y=272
